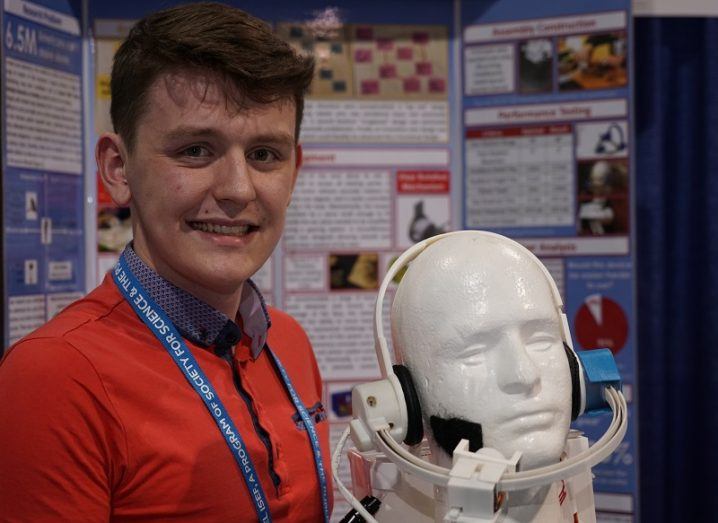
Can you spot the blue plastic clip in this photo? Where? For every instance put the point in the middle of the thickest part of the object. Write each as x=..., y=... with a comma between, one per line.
x=599, y=371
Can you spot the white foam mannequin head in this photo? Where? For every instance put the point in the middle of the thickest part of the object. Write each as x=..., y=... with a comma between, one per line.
x=475, y=321
x=598, y=178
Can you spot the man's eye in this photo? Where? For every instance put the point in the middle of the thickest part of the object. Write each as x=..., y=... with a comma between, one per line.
x=263, y=155
x=196, y=151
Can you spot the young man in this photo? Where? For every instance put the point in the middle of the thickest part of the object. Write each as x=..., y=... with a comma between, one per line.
x=171, y=392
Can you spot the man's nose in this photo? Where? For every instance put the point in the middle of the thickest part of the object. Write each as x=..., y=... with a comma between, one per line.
x=233, y=184
x=516, y=371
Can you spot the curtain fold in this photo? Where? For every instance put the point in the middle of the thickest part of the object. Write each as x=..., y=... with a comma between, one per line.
x=676, y=111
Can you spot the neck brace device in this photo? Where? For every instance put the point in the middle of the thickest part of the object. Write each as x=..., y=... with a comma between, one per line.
x=387, y=412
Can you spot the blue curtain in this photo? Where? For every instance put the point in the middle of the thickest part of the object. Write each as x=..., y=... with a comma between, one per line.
x=676, y=93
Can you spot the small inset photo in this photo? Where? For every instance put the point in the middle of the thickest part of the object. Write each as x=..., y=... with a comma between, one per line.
x=339, y=396
x=31, y=206
x=602, y=139
x=595, y=61
x=603, y=197
x=358, y=271
x=420, y=217
x=536, y=66
x=114, y=229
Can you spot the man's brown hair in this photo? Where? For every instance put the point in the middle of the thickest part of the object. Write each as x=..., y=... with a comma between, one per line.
x=212, y=37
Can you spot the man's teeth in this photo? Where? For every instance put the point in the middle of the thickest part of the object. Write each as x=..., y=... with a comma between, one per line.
x=235, y=230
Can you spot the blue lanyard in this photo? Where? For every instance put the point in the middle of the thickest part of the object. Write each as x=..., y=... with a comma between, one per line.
x=313, y=436
x=161, y=326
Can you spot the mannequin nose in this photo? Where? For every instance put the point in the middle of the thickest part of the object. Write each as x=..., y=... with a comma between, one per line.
x=516, y=371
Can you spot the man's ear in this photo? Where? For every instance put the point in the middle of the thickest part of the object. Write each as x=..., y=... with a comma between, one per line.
x=299, y=158
x=111, y=158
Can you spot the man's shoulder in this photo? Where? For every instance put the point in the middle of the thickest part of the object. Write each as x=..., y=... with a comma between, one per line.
x=286, y=329
x=283, y=320
x=86, y=314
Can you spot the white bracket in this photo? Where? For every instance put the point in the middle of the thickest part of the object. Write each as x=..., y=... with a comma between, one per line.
x=471, y=493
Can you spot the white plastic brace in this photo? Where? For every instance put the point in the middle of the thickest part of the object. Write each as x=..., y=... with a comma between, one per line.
x=471, y=493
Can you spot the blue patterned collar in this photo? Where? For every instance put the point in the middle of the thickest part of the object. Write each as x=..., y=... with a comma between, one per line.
x=197, y=321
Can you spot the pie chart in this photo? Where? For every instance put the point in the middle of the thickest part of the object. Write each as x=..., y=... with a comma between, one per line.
x=601, y=323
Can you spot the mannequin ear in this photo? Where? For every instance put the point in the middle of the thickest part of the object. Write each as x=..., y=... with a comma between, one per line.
x=111, y=162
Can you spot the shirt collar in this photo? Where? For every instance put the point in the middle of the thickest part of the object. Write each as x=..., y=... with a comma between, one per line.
x=199, y=322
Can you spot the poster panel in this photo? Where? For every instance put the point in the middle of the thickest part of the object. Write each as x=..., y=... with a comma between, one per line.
x=547, y=133
x=377, y=178
x=42, y=162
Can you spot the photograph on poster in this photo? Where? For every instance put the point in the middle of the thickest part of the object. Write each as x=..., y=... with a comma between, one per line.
x=602, y=197
x=607, y=139
x=46, y=231
x=396, y=280
x=340, y=400
x=30, y=272
x=114, y=229
x=592, y=61
x=381, y=62
x=536, y=66
x=31, y=206
x=354, y=271
x=420, y=217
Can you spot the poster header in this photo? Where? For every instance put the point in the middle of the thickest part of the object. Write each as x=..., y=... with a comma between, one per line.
x=562, y=25
x=44, y=16
x=547, y=112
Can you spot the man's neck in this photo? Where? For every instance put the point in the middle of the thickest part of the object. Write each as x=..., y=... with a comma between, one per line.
x=225, y=302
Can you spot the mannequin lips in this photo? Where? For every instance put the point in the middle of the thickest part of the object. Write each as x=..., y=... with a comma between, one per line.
x=532, y=418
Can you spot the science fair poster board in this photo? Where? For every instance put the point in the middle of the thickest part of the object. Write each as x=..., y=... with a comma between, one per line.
x=404, y=137
x=42, y=162
x=547, y=160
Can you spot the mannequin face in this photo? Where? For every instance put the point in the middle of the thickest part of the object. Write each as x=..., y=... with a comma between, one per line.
x=475, y=322
x=599, y=177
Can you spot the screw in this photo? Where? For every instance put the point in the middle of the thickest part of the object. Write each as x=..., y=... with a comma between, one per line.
x=371, y=401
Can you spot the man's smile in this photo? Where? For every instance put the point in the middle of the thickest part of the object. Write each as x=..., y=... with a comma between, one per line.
x=227, y=230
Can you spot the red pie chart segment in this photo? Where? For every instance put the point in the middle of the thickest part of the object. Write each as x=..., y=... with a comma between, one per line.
x=600, y=323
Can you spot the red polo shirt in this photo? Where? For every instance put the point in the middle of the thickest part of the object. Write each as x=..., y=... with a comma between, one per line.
x=98, y=424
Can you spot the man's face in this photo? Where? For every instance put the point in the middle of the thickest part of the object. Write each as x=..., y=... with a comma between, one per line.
x=487, y=348
x=209, y=183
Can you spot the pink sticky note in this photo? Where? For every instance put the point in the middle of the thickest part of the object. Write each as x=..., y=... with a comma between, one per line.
x=385, y=44
x=370, y=87
x=437, y=85
x=387, y=71
x=423, y=68
x=412, y=85
x=362, y=55
x=405, y=53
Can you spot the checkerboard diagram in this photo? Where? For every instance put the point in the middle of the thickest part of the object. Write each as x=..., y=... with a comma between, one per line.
x=381, y=62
